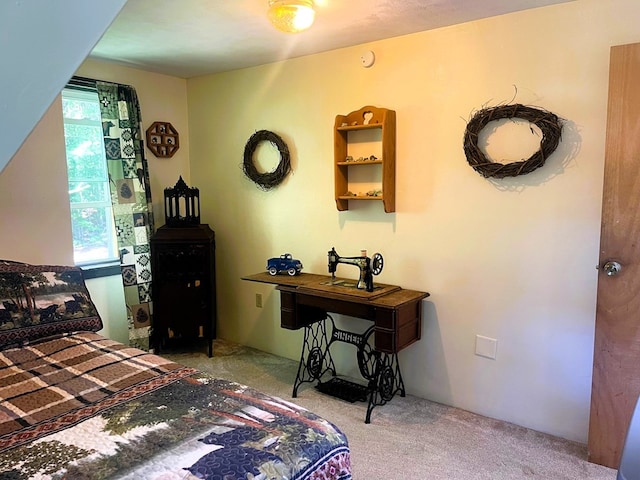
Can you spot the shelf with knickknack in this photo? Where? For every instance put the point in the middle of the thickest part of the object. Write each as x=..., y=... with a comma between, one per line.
x=365, y=157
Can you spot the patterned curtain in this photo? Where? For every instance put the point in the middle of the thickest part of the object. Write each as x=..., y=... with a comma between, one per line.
x=131, y=199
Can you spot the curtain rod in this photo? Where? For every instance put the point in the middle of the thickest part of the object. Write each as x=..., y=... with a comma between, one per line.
x=82, y=83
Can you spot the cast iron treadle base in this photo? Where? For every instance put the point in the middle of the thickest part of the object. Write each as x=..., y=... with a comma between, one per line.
x=381, y=370
x=344, y=389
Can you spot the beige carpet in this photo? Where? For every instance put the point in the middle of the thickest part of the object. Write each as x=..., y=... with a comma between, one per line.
x=410, y=438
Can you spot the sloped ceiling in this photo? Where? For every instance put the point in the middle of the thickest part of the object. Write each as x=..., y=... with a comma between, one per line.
x=43, y=43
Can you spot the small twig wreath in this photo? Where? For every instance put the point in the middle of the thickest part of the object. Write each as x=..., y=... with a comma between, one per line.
x=548, y=123
x=266, y=181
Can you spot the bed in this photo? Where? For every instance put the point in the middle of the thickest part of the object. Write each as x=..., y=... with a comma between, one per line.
x=77, y=405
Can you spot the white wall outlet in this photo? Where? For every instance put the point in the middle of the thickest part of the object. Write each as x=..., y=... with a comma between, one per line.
x=486, y=347
x=259, y=300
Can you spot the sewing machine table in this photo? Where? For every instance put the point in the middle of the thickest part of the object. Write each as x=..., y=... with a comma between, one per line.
x=305, y=302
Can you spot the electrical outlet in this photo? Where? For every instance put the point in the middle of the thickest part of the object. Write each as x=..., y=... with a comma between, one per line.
x=486, y=347
x=259, y=300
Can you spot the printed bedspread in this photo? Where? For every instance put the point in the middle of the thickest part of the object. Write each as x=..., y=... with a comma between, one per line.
x=85, y=407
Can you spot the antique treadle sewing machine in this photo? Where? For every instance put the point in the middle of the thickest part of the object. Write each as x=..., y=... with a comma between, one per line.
x=305, y=302
x=368, y=267
x=381, y=371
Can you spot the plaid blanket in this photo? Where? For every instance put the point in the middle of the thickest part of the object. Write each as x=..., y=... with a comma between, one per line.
x=85, y=407
x=51, y=385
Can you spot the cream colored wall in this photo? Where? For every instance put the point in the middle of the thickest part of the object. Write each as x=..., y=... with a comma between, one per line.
x=34, y=204
x=510, y=259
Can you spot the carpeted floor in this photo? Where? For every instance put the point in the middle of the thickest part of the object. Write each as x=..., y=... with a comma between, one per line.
x=410, y=438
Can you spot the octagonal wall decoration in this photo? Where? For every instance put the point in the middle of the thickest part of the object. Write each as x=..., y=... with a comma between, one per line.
x=162, y=139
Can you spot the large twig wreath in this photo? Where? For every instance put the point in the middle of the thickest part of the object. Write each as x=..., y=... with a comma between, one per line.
x=268, y=180
x=548, y=123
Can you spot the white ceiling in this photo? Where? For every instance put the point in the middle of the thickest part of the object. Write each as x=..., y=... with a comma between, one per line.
x=196, y=37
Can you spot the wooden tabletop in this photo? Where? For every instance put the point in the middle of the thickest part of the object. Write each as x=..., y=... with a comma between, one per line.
x=339, y=288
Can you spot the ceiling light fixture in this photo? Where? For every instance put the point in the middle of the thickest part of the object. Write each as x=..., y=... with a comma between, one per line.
x=291, y=16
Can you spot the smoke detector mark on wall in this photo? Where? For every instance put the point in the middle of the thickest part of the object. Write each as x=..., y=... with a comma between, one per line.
x=367, y=59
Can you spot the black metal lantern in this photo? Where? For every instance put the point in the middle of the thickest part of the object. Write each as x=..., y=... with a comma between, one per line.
x=181, y=205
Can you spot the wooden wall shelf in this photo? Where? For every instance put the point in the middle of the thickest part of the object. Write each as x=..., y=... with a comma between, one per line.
x=372, y=119
x=162, y=139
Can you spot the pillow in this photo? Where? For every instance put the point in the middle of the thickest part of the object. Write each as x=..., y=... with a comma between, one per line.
x=38, y=301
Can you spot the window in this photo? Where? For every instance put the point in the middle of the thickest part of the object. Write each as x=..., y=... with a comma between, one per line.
x=94, y=238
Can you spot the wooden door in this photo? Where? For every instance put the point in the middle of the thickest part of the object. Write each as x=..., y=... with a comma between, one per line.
x=616, y=366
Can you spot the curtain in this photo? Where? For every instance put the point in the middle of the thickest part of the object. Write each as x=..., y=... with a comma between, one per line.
x=131, y=199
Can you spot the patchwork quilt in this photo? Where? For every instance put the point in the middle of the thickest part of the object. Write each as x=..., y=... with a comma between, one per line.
x=81, y=406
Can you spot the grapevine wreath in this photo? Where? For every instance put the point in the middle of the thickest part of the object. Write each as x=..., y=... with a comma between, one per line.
x=548, y=123
x=268, y=180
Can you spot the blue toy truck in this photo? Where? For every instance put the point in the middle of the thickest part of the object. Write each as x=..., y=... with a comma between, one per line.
x=284, y=262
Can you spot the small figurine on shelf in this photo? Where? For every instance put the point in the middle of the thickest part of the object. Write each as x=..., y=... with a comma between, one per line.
x=284, y=262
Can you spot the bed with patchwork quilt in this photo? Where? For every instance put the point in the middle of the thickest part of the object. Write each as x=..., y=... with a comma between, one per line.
x=76, y=405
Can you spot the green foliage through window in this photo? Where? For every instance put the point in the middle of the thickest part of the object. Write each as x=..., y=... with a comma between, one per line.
x=89, y=196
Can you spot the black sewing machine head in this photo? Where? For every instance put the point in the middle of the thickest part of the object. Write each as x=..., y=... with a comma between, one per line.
x=368, y=267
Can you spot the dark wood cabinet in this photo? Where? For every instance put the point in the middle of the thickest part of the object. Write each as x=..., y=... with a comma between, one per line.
x=184, y=286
